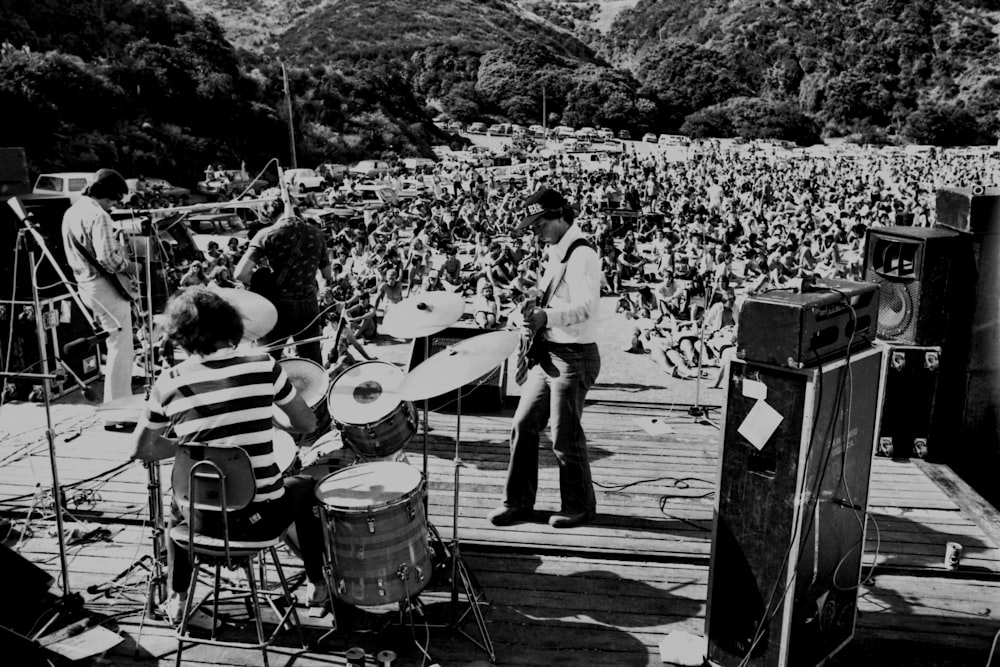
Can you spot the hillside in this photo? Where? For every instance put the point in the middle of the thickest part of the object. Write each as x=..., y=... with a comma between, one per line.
x=257, y=24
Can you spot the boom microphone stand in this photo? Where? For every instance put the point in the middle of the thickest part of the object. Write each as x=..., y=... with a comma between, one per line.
x=44, y=375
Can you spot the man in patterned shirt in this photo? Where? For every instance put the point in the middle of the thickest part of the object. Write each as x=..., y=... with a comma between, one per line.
x=295, y=250
x=224, y=397
x=87, y=224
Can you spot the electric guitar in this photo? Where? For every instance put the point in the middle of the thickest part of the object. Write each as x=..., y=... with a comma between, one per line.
x=527, y=352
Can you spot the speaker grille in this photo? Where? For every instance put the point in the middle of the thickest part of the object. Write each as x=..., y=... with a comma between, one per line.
x=897, y=307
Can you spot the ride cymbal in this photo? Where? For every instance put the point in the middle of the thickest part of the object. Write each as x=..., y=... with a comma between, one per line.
x=423, y=314
x=458, y=365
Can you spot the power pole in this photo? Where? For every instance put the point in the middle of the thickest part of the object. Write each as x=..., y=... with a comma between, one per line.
x=288, y=104
x=545, y=124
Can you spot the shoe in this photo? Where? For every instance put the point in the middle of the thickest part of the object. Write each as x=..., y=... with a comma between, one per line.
x=561, y=520
x=317, y=594
x=173, y=607
x=506, y=516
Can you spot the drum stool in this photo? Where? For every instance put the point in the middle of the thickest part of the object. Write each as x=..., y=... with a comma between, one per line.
x=222, y=480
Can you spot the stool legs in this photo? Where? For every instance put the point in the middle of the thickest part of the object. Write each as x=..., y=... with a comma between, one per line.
x=287, y=618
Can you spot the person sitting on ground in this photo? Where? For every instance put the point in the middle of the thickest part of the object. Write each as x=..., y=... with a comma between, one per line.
x=361, y=317
x=486, y=307
x=194, y=276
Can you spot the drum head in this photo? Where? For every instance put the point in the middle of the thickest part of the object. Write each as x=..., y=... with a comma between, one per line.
x=284, y=449
x=368, y=485
x=365, y=393
x=308, y=378
x=329, y=445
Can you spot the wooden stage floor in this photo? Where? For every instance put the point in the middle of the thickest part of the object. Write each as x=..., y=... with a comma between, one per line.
x=602, y=594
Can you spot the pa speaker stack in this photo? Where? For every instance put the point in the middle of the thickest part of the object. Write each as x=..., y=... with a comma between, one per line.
x=974, y=212
x=799, y=429
x=924, y=278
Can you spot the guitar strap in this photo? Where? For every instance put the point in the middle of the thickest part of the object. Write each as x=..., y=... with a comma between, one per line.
x=550, y=289
x=110, y=277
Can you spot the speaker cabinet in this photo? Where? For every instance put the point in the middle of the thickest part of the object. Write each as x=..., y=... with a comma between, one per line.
x=485, y=394
x=15, y=278
x=921, y=406
x=924, y=279
x=790, y=511
x=62, y=322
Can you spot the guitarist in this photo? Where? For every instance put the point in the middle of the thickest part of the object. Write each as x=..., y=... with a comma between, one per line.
x=564, y=362
x=104, y=273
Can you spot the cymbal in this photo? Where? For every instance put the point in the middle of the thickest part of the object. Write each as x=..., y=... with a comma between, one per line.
x=423, y=314
x=259, y=314
x=458, y=365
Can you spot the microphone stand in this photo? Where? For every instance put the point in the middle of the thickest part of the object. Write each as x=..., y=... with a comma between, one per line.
x=46, y=377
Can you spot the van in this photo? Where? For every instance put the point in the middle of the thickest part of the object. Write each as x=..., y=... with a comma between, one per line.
x=673, y=140
x=64, y=183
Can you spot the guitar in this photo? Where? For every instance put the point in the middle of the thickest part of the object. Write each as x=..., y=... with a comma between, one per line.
x=527, y=353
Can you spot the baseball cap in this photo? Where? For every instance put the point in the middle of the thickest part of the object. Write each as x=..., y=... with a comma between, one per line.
x=543, y=202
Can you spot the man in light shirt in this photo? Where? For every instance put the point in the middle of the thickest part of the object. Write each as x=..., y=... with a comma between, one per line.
x=564, y=327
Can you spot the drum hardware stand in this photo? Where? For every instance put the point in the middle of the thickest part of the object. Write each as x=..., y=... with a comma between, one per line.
x=460, y=574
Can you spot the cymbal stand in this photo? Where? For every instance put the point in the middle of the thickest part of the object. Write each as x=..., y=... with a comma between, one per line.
x=460, y=574
x=157, y=583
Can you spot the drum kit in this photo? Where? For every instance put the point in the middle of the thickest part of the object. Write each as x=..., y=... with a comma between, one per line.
x=372, y=504
x=378, y=541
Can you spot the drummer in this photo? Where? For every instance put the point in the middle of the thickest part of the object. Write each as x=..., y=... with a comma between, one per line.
x=223, y=396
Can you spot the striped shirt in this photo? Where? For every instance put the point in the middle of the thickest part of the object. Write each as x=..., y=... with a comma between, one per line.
x=226, y=399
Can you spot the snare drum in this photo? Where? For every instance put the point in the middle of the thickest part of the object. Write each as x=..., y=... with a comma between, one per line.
x=327, y=456
x=311, y=383
x=375, y=533
x=285, y=451
x=364, y=405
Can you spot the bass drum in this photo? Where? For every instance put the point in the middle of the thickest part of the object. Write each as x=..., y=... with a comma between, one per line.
x=364, y=404
x=375, y=533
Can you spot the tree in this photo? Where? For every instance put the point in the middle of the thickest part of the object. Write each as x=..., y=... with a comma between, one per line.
x=943, y=125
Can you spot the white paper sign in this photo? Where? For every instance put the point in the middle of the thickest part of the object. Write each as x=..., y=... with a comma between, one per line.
x=760, y=424
x=754, y=389
x=654, y=425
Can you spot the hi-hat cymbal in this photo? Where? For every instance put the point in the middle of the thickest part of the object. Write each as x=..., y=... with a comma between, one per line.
x=423, y=314
x=458, y=365
x=259, y=314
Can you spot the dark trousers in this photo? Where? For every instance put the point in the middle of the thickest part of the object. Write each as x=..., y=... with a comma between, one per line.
x=258, y=521
x=554, y=393
x=298, y=319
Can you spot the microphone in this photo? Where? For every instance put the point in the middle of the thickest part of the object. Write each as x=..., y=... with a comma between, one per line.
x=88, y=394
x=86, y=342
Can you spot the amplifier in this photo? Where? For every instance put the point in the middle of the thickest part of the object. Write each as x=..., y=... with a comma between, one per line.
x=803, y=328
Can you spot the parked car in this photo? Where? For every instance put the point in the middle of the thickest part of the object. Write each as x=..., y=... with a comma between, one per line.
x=649, y=137
x=536, y=130
x=64, y=183
x=155, y=188
x=673, y=140
x=418, y=164
x=227, y=182
x=563, y=131
x=477, y=128
x=376, y=196
x=456, y=126
x=371, y=168
x=625, y=135
x=585, y=133
x=499, y=129
x=518, y=130
x=301, y=181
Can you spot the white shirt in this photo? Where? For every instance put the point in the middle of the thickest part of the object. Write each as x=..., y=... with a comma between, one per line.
x=572, y=311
